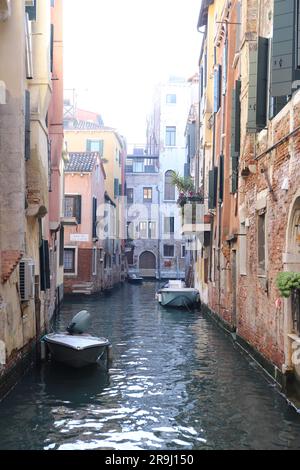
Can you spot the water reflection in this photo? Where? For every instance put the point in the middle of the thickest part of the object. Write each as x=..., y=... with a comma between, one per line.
x=176, y=382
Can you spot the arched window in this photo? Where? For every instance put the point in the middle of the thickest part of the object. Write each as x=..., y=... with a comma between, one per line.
x=169, y=186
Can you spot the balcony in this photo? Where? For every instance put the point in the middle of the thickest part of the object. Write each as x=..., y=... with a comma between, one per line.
x=142, y=164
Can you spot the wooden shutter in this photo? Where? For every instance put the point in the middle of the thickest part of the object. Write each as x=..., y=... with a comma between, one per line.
x=234, y=173
x=262, y=83
x=44, y=265
x=27, y=125
x=101, y=147
x=94, y=217
x=217, y=87
x=213, y=185
x=61, y=245
x=283, y=49
x=116, y=187
x=221, y=178
x=77, y=203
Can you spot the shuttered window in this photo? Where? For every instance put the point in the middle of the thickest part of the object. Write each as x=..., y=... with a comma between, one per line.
x=285, y=48
x=95, y=146
x=27, y=125
x=221, y=178
x=94, y=217
x=213, y=187
x=235, y=135
x=116, y=187
x=45, y=265
x=217, y=87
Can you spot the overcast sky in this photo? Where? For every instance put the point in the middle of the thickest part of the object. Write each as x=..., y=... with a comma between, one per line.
x=117, y=50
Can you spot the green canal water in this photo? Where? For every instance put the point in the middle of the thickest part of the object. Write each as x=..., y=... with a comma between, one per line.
x=176, y=383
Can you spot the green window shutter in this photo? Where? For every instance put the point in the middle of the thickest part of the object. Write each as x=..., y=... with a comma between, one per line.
x=78, y=209
x=94, y=217
x=221, y=178
x=116, y=187
x=283, y=49
x=276, y=104
x=217, y=87
x=44, y=266
x=213, y=185
x=262, y=83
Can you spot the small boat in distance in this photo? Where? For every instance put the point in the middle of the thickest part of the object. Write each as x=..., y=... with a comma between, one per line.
x=134, y=279
x=176, y=294
x=75, y=348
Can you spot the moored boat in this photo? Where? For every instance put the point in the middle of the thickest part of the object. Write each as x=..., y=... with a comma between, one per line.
x=74, y=347
x=176, y=294
x=76, y=350
x=134, y=279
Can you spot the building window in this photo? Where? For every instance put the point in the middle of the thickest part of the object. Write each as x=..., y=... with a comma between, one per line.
x=129, y=193
x=169, y=186
x=95, y=146
x=169, y=251
x=183, y=251
x=94, y=262
x=261, y=237
x=169, y=223
x=143, y=230
x=73, y=207
x=171, y=136
x=69, y=261
x=152, y=231
x=171, y=99
x=147, y=194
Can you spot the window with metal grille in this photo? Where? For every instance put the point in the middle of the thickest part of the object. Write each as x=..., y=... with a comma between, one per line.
x=73, y=207
x=129, y=195
x=69, y=260
x=261, y=242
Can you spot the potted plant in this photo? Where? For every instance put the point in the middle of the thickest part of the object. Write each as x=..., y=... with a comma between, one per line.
x=287, y=282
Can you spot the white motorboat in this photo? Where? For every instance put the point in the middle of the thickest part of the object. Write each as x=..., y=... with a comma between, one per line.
x=75, y=348
x=176, y=294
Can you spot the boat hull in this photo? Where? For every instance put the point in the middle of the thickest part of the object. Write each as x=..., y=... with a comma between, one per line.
x=178, y=299
x=135, y=281
x=76, y=356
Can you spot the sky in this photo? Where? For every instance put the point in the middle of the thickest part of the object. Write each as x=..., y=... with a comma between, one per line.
x=116, y=51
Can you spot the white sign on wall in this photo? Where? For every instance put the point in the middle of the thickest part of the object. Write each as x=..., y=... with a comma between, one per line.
x=79, y=237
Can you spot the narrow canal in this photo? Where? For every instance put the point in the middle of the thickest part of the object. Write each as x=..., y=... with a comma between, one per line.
x=176, y=382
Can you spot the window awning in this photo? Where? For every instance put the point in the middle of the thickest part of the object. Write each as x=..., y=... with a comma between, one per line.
x=2, y=92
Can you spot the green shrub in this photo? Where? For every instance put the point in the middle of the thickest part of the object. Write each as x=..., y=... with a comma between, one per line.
x=286, y=282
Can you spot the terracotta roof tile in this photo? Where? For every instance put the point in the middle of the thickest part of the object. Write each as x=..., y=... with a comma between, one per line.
x=81, y=162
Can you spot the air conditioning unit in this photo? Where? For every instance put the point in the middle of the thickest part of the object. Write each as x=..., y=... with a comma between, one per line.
x=27, y=273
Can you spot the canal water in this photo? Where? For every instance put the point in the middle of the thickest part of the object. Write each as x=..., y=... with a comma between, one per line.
x=176, y=383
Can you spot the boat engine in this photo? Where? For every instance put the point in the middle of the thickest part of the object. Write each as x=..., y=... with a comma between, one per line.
x=80, y=323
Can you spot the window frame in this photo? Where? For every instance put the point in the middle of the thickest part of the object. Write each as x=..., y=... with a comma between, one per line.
x=148, y=190
x=169, y=246
x=170, y=136
x=75, y=261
